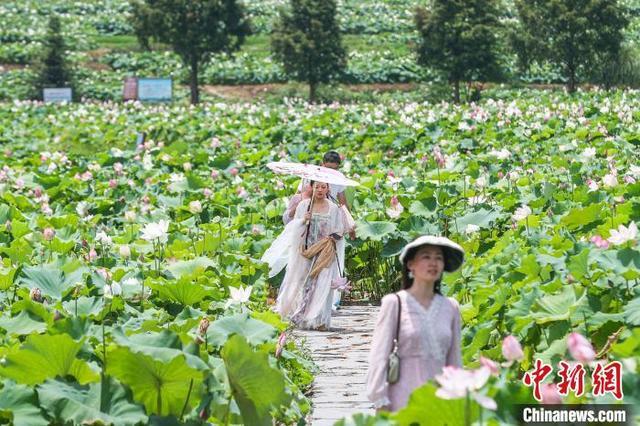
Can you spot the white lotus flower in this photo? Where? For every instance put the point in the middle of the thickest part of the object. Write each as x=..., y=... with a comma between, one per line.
x=471, y=228
x=623, y=234
x=588, y=153
x=82, y=208
x=522, y=213
x=112, y=290
x=478, y=199
x=503, y=154
x=156, y=231
x=103, y=238
x=457, y=382
x=239, y=295
x=124, y=250
x=195, y=207
x=609, y=180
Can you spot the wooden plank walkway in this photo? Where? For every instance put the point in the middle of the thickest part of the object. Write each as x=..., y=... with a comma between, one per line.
x=341, y=356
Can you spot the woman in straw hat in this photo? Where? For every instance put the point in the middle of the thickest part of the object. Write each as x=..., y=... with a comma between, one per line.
x=315, y=247
x=427, y=336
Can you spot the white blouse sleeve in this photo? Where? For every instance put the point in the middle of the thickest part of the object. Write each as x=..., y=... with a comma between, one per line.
x=381, y=345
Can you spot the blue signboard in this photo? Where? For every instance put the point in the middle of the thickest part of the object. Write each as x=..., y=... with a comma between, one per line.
x=154, y=89
x=56, y=94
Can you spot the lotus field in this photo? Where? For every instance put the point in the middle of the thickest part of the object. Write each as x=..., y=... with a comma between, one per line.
x=132, y=291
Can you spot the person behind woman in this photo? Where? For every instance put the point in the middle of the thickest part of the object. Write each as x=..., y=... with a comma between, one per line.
x=429, y=332
x=315, y=260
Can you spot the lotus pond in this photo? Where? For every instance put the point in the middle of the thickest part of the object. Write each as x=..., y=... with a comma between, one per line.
x=131, y=285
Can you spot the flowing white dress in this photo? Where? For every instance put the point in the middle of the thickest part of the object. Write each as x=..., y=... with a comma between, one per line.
x=306, y=301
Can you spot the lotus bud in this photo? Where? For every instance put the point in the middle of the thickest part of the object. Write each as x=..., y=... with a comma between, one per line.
x=36, y=295
x=49, y=233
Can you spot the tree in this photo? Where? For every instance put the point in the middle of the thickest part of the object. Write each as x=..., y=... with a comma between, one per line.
x=195, y=29
x=52, y=69
x=458, y=39
x=575, y=35
x=306, y=39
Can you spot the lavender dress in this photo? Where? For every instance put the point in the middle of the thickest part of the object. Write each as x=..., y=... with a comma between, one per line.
x=429, y=340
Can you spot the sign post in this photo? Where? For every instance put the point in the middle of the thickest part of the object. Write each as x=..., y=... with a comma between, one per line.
x=130, y=89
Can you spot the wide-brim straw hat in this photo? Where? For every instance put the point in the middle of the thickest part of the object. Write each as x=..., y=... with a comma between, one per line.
x=453, y=253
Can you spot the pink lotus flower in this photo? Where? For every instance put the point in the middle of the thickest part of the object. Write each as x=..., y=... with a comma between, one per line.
x=214, y=174
x=118, y=168
x=207, y=192
x=49, y=233
x=341, y=284
x=215, y=142
x=37, y=192
x=580, y=348
x=592, y=184
x=113, y=183
x=511, y=349
x=92, y=255
x=629, y=179
x=490, y=365
x=242, y=193
x=441, y=161
x=105, y=274
x=234, y=171
x=457, y=382
x=549, y=393
x=600, y=242
x=282, y=341
x=396, y=208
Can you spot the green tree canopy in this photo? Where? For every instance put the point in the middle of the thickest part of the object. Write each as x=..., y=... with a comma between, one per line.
x=458, y=39
x=306, y=39
x=195, y=29
x=575, y=35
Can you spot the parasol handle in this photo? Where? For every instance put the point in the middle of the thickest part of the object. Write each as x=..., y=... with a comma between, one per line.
x=308, y=222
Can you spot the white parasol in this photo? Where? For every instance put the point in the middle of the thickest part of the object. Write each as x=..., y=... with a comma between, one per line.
x=318, y=174
x=312, y=172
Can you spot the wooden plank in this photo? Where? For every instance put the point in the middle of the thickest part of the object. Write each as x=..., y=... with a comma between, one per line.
x=341, y=355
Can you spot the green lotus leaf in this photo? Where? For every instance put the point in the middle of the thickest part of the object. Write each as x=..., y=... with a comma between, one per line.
x=162, y=387
x=23, y=323
x=253, y=330
x=43, y=357
x=106, y=402
x=374, y=230
x=256, y=387
x=19, y=404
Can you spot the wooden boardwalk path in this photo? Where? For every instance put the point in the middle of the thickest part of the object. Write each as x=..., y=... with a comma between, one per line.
x=341, y=356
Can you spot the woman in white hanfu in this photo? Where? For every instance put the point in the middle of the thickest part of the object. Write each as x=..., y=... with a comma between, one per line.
x=314, y=260
x=429, y=329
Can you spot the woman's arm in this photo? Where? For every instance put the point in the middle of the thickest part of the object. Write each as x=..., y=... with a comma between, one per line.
x=454, y=355
x=381, y=345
